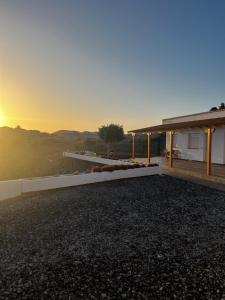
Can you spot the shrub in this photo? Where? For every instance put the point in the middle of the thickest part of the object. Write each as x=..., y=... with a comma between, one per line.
x=97, y=169
x=136, y=166
x=133, y=166
x=117, y=167
x=152, y=165
x=125, y=167
x=108, y=168
x=111, y=168
x=121, y=167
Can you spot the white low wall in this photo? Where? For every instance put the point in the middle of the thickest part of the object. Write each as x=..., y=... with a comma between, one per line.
x=95, y=159
x=11, y=188
x=15, y=188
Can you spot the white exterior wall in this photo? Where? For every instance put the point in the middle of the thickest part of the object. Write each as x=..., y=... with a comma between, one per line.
x=182, y=145
x=14, y=188
x=218, y=146
x=218, y=139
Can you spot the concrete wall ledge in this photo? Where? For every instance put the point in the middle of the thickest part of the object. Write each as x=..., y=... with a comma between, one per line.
x=10, y=188
x=96, y=159
x=14, y=188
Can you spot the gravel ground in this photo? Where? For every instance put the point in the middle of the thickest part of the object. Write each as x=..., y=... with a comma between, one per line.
x=156, y=237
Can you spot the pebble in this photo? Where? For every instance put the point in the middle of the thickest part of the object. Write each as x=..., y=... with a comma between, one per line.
x=143, y=238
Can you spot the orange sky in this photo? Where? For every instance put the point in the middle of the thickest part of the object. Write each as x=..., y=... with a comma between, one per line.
x=85, y=64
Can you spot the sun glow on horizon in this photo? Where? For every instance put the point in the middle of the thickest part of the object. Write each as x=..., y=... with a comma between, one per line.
x=1, y=119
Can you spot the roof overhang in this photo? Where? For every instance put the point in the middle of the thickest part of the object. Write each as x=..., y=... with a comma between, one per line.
x=205, y=123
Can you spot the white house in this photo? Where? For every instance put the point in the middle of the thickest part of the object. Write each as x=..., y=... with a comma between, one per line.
x=191, y=143
x=196, y=137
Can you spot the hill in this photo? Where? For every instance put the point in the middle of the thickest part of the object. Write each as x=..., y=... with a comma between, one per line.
x=30, y=153
x=69, y=134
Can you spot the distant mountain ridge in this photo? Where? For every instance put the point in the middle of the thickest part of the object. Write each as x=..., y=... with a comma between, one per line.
x=61, y=134
x=76, y=134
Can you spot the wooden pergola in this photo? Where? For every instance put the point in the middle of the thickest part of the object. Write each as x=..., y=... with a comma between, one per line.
x=208, y=125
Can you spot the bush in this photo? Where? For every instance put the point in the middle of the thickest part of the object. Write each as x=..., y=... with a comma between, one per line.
x=133, y=166
x=122, y=167
x=117, y=167
x=136, y=166
x=152, y=165
x=97, y=169
x=108, y=168
x=111, y=168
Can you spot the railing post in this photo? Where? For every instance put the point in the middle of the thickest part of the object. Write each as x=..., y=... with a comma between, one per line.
x=149, y=146
x=171, y=133
x=133, y=145
x=209, y=151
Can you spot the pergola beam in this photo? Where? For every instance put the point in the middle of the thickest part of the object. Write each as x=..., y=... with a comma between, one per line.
x=212, y=122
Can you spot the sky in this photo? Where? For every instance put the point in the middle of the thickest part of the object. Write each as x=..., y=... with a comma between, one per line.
x=80, y=64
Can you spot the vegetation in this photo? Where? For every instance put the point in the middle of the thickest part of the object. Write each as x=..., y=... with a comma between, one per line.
x=31, y=153
x=111, y=168
x=111, y=134
x=220, y=107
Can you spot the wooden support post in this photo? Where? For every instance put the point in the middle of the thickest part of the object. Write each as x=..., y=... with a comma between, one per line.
x=171, y=133
x=133, y=145
x=149, y=146
x=209, y=152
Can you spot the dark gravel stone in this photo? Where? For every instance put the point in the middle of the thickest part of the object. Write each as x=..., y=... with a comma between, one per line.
x=154, y=237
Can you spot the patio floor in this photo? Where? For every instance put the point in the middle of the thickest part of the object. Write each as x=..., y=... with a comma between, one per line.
x=197, y=167
x=155, y=237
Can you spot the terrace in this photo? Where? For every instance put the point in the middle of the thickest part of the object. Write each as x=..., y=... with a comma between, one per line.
x=154, y=237
x=206, y=170
x=196, y=168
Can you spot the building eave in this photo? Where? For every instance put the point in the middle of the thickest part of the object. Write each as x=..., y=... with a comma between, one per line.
x=206, y=123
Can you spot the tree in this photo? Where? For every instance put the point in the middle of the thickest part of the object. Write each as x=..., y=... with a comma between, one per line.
x=110, y=134
x=222, y=105
x=214, y=108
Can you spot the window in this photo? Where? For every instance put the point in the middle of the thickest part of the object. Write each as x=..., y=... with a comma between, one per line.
x=175, y=140
x=194, y=141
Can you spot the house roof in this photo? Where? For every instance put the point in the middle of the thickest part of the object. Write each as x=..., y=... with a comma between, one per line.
x=219, y=112
x=213, y=122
